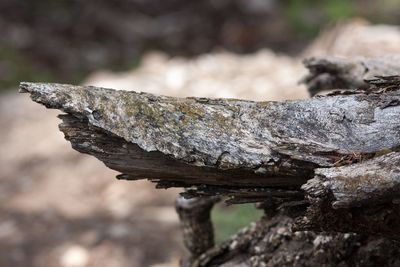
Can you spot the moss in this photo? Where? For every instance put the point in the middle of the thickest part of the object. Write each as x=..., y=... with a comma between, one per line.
x=264, y=104
x=223, y=122
x=383, y=152
x=133, y=105
x=354, y=183
x=191, y=110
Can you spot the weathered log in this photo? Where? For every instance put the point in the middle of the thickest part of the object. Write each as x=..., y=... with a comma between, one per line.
x=345, y=146
x=341, y=73
x=272, y=143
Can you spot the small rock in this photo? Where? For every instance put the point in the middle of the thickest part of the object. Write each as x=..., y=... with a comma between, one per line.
x=75, y=256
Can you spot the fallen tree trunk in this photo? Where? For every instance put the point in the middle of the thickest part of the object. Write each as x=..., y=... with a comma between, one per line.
x=221, y=140
x=317, y=161
x=248, y=151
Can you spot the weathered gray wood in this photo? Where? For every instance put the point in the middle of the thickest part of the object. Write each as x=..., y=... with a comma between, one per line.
x=362, y=198
x=345, y=146
x=340, y=73
x=376, y=180
x=342, y=150
x=238, y=148
x=232, y=134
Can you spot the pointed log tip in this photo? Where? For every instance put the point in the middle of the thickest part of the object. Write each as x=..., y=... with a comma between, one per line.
x=41, y=88
x=25, y=87
x=31, y=87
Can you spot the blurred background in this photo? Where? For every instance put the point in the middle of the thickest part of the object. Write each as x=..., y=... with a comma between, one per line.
x=62, y=208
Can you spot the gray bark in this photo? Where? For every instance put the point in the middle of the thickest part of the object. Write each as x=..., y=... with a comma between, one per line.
x=343, y=145
x=376, y=180
x=316, y=160
x=272, y=143
x=340, y=73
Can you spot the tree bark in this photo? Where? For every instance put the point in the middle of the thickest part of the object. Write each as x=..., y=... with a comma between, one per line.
x=345, y=146
x=222, y=142
x=323, y=158
x=271, y=242
x=340, y=73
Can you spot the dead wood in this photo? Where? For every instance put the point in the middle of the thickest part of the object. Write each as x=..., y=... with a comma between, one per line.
x=340, y=73
x=195, y=141
x=341, y=149
x=271, y=242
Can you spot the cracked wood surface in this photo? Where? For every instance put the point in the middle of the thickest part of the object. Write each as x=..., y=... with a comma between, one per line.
x=248, y=150
x=376, y=180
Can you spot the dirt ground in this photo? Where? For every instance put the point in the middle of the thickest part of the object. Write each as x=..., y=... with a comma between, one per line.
x=62, y=208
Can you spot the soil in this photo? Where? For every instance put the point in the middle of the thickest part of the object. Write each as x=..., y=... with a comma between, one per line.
x=62, y=208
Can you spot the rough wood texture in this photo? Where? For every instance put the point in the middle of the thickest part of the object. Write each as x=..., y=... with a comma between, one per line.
x=376, y=180
x=270, y=242
x=329, y=162
x=361, y=198
x=345, y=146
x=340, y=73
x=272, y=143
